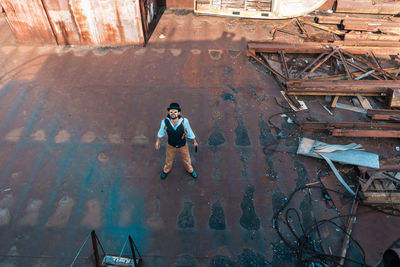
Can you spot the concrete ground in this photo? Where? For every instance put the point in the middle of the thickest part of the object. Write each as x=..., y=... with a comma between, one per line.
x=77, y=133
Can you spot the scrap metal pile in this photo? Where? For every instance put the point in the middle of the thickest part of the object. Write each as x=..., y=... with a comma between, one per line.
x=355, y=58
x=362, y=69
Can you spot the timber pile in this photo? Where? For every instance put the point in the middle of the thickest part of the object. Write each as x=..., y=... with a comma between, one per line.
x=382, y=185
x=336, y=69
x=391, y=7
x=355, y=29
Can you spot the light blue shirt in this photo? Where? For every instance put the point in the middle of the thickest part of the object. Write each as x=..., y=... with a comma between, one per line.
x=190, y=134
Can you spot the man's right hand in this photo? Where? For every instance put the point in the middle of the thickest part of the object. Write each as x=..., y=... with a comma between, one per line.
x=157, y=145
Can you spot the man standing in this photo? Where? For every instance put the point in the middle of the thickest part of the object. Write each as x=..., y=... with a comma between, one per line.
x=177, y=128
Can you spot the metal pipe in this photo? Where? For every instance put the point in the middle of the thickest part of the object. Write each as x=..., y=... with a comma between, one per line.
x=95, y=249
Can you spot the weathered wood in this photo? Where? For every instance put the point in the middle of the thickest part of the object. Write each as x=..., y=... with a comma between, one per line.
x=339, y=85
x=320, y=63
x=328, y=19
x=283, y=60
x=334, y=102
x=369, y=64
x=356, y=66
x=348, y=72
x=310, y=65
x=310, y=126
x=386, y=27
x=368, y=7
x=361, y=47
x=371, y=112
x=382, y=117
x=324, y=28
x=330, y=92
x=393, y=98
x=356, y=36
x=364, y=102
x=366, y=133
x=253, y=55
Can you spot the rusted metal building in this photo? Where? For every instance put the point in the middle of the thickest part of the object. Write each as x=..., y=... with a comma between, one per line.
x=82, y=22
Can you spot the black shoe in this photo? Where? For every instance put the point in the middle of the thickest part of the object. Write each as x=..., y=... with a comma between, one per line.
x=163, y=175
x=194, y=175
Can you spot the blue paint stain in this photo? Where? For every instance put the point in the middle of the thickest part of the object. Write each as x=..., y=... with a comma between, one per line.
x=113, y=202
x=36, y=167
x=13, y=111
x=112, y=230
x=4, y=89
x=6, y=175
x=62, y=169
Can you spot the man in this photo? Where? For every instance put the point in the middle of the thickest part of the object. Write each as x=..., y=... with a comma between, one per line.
x=177, y=128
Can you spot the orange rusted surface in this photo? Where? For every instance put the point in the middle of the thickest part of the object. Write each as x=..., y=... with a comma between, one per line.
x=62, y=21
x=108, y=22
x=80, y=22
x=28, y=21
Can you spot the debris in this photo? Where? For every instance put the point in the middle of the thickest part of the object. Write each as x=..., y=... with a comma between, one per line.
x=351, y=108
x=313, y=183
x=103, y=158
x=330, y=112
x=384, y=115
x=393, y=98
x=355, y=129
x=349, y=154
x=335, y=171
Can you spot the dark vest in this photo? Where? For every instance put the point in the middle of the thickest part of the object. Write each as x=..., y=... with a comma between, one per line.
x=176, y=137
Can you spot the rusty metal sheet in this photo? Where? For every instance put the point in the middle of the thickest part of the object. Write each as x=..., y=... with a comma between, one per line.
x=62, y=21
x=79, y=22
x=103, y=22
x=28, y=21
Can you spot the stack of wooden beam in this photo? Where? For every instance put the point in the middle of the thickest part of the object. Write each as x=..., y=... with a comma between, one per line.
x=372, y=29
x=364, y=75
x=368, y=6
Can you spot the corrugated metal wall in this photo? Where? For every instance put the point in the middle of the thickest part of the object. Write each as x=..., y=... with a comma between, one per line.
x=81, y=22
x=28, y=20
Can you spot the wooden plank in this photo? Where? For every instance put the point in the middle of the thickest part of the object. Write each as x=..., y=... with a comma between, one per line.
x=366, y=133
x=371, y=112
x=385, y=117
x=324, y=28
x=354, y=124
x=330, y=92
x=393, y=98
x=364, y=102
x=335, y=100
x=356, y=36
x=351, y=108
x=320, y=63
x=346, y=85
x=368, y=7
x=389, y=167
x=328, y=19
x=264, y=63
x=361, y=47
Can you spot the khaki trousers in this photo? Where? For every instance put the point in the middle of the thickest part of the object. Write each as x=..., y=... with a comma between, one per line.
x=171, y=152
